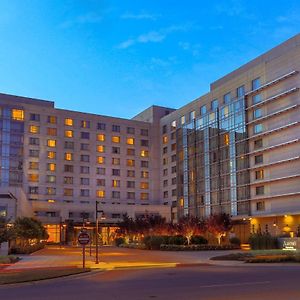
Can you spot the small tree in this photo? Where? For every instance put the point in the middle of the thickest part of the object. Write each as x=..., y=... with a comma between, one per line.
x=6, y=232
x=219, y=225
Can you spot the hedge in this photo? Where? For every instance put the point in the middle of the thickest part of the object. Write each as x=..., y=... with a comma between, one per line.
x=202, y=247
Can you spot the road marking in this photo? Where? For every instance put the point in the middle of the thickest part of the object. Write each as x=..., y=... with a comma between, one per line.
x=234, y=284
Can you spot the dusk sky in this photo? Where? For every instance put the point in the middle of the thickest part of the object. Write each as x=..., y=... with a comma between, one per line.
x=119, y=57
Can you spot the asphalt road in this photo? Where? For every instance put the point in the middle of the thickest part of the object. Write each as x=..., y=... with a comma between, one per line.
x=196, y=282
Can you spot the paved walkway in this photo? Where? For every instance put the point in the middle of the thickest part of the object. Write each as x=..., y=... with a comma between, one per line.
x=114, y=258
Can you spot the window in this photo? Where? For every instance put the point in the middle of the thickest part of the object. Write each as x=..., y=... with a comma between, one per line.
x=165, y=182
x=101, y=126
x=174, y=180
x=84, y=181
x=258, y=144
x=116, y=172
x=144, y=143
x=115, y=139
x=100, y=194
x=33, y=165
x=84, y=193
x=130, y=151
x=166, y=194
x=115, y=183
x=144, y=164
x=115, y=161
x=165, y=172
x=257, y=113
x=68, y=122
x=258, y=128
x=144, y=174
x=255, y=83
x=173, y=147
x=17, y=114
x=258, y=159
x=131, y=195
x=240, y=91
x=144, y=132
x=101, y=160
x=173, y=169
x=225, y=111
x=144, y=185
x=173, y=135
x=50, y=191
x=131, y=184
x=34, y=190
x=259, y=174
x=130, y=141
x=115, y=150
x=52, y=131
x=68, y=192
x=51, y=167
x=116, y=128
x=69, y=168
x=165, y=160
x=85, y=124
x=164, y=129
x=84, y=147
x=130, y=162
x=173, y=125
x=84, y=158
x=68, y=180
x=85, y=135
x=226, y=139
x=34, y=141
x=51, y=143
x=100, y=171
x=101, y=137
x=165, y=139
x=260, y=190
x=33, y=177
x=144, y=153
x=100, y=148
x=173, y=158
x=256, y=98
x=115, y=194
x=34, y=129
x=84, y=170
x=144, y=196
x=174, y=193
x=51, y=154
x=51, y=178
x=130, y=173
x=130, y=130
x=214, y=104
x=69, y=133
x=165, y=150
x=68, y=156
x=182, y=120
x=192, y=115
x=227, y=98
x=52, y=119
x=34, y=117
x=34, y=153
x=260, y=205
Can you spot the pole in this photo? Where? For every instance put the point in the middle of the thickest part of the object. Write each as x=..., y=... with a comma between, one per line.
x=83, y=256
x=97, y=231
x=91, y=247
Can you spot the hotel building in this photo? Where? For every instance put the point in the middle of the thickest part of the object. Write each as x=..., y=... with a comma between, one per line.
x=235, y=149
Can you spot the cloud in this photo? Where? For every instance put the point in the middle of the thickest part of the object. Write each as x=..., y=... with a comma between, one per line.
x=140, y=16
x=192, y=48
x=89, y=18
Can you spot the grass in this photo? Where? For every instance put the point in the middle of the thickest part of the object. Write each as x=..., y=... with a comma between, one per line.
x=18, y=276
x=8, y=259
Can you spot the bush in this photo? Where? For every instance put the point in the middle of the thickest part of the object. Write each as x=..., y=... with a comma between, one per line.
x=263, y=241
x=273, y=259
x=27, y=249
x=235, y=241
x=133, y=246
x=199, y=240
x=154, y=242
x=119, y=241
x=177, y=240
x=202, y=247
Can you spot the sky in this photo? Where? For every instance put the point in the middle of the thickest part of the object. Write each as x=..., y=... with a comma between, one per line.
x=119, y=57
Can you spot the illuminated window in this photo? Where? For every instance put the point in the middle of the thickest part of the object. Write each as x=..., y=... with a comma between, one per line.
x=144, y=174
x=115, y=139
x=52, y=131
x=69, y=133
x=101, y=160
x=68, y=122
x=100, y=193
x=144, y=185
x=259, y=174
x=144, y=196
x=50, y=190
x=101, y=137
x=100, y=148
x=144, y=153
x=182, y=120
x=17, y=114
x=51, y=201
x=165, y=139
x=130, y=141
x=115, y=161
x=181, y=202
x=51, y=167
x=173, y=125
x=226, y=139
x=51, y=178
x=68, y=156
x=33, y=165
x=34, y=129
x=33, y=177
x=52, y=119
x=85, y=124
x=68, y=192
x=115, y=183
x=130, y=162
x=51, y=143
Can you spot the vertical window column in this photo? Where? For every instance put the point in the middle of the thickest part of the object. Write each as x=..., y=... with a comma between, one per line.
x=185, y=173
x=207, y=200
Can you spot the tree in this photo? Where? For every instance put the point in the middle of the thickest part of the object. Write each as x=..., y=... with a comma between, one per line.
x=219, y=225
x=190, y=226
x=6, y=232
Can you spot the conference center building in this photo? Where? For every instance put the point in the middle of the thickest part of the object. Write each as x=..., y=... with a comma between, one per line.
x=235, y=149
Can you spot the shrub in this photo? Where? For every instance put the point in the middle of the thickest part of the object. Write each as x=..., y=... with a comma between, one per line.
x=235, y=241
x=202, y=247
x=154, y=242
x=262, y=241
x=177, y=240
x=119, y=241
x=199, y=240
x=27, y=249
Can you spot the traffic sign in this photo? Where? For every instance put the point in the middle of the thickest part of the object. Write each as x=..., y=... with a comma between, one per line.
x=83, y=238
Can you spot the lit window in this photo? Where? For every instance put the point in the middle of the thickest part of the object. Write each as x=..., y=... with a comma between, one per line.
x=115, y=183
x=226, y=139
x=100, y=193
x=259, y=174
x=33, y=177
x=34, y=129
x=51, y=143
x=52, y=119
x=52, y=131
x=51, y=201
x=101, y=137
x=115, y=161
x=165, y=139
x=17, y=114
x=173, y=125
x=144, y=196
x=144, y=174
x=100, y=148
x=144, y=153
x=115, y=139
x=182, y=120
x=101, y=159
x=85, y=124
x=130, y=162
x=181, y=202
x=130, y=141
x=33, y=165
x=51, y=167
x=144, y=185
x=68, y=122
x=68, y=156
x=69, y=133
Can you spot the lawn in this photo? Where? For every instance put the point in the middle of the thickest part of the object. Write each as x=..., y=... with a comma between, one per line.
x=8, y=259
